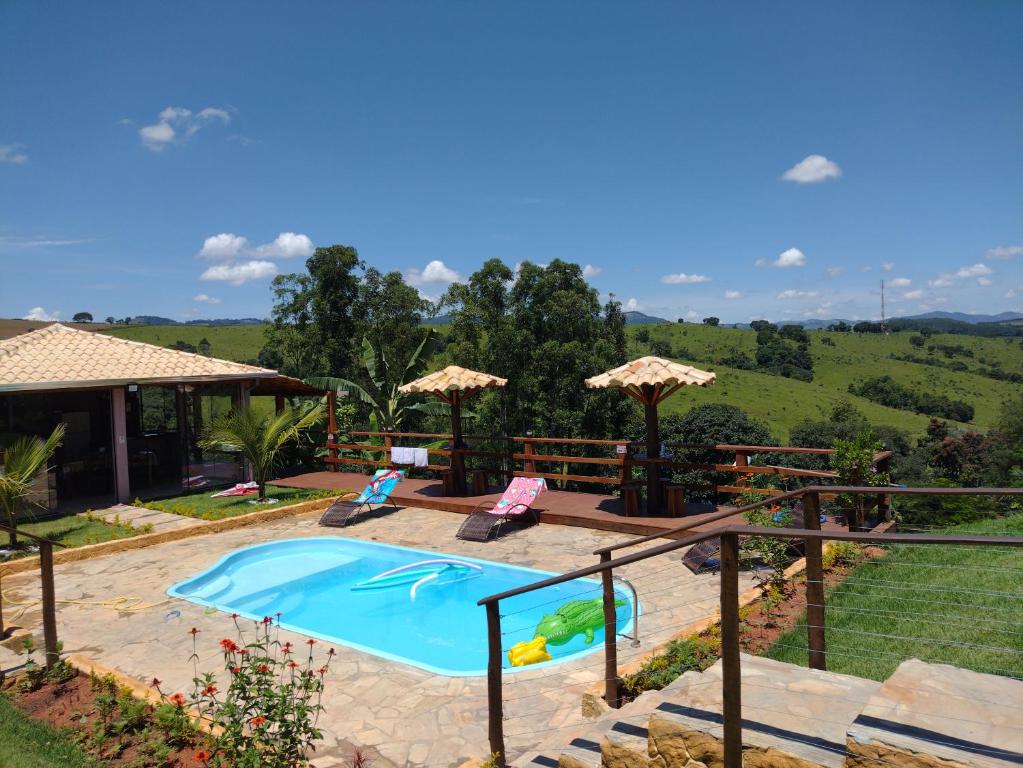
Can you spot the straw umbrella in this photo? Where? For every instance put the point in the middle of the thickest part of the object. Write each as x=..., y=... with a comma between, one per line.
x=454, y=385
x=651, y=380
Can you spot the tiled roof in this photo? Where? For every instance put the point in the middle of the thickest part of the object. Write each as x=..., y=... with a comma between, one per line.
x=58, y=357
x=451, y=379
x=651, y=370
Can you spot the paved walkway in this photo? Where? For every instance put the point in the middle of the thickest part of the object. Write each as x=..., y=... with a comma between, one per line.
x=137, y=517
x=411, y=717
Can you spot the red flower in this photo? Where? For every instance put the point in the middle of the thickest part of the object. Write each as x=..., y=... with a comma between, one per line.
x=228, y=645
x=331, y=652
x=193, y=631
x=310, y=641
x=234, y=616
x=263, y=668
x=267, y=620
x=322, y=671
x=155, y=683
x=278, y=614
x=235, y=670
x=293, y=665
x=258, y=720
x=202, y=755
x=209, y=690
x=243, y=652
x=178, y=700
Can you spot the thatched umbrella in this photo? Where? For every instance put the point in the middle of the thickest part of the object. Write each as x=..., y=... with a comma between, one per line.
x=651, y=380
x=454, y=385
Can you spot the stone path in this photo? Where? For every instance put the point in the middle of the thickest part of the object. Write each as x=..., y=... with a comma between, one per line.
x=406, y=715
x=137, y=517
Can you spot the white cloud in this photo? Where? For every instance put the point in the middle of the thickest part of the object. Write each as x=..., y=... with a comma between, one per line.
x=793, y=257
x=732, y=295
x=692, y=314
x=977, y=270
x=223, y=247
x=901, y=282
x=287, y=245
x=591, y=271
x=835, y=271
x=177, y=123
x=998, y=252
x=436, y=272
x=631, y=306
x=913, y=295
x=887, y=266
x=792, y=293
x=38, y=313
x=240, y=272
x=12, y=153
x=812, y=169
x=681, y=277
x=202, y=298
x=943, y=280
x=984, y=281
x=1011, y=293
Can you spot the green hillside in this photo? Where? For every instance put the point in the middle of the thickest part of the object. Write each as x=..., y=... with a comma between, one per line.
x=777, y=401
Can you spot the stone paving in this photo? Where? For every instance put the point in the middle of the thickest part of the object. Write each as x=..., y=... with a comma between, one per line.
x=137, y=517
x=405, y=715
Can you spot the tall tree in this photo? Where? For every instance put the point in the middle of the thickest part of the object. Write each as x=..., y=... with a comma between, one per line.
x=542, y=328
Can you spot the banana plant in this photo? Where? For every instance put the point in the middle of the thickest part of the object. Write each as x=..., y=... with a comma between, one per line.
x=20, y=464
x=388, y=405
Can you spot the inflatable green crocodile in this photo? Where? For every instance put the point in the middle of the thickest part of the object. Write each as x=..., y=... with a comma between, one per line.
x=569, y=620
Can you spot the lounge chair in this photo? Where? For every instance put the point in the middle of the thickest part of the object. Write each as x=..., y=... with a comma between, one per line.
x=515, y=507
x=706, y=556
x=378, y=492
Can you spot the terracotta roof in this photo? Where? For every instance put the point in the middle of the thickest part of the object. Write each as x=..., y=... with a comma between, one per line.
x=451, y=379
x=59, y=357
x=651, y=370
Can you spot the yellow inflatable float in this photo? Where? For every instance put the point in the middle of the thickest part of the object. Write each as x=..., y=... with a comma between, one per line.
x=533, y=652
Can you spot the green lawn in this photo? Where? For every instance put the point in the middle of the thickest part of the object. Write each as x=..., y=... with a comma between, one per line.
x=203, y=506
x=228, y=342
x=28, y=743
x=73, y=531
x=947, y=604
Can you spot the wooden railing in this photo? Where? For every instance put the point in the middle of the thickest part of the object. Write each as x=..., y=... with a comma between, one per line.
x=729, y=536
x=49, y=599
x=532, y=456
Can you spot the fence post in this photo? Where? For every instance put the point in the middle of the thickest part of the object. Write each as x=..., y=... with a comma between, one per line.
x=814, y=550
x=527, y=448
x=332, y=428
x=49, y=603
x=495, y=696
x=731, y=671
x=388, y=444
x=611, y=691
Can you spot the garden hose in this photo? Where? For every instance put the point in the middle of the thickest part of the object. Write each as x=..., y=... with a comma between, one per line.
x=119, y=604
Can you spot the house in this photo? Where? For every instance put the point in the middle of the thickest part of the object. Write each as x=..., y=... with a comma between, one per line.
x=133, y=412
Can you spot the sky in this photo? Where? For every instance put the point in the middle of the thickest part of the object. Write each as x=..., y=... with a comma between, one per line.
x=741, y=160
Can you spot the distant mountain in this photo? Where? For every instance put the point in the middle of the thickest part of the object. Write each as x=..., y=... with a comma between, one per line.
x=157, y=320
x=962, y=317
x=638, y=318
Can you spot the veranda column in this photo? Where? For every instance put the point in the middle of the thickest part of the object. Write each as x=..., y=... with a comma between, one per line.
x=119, y=412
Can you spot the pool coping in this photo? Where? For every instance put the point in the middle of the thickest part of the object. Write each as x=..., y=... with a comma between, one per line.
x=201, y=528
x=172, y=591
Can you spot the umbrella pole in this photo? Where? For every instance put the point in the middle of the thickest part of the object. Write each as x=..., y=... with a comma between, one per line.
x=653, y=451
x=457, y=459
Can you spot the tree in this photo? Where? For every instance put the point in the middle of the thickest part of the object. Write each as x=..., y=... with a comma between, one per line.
x=22, y=462
x=681, y=321
x=642, y=335
x=259, y=439
x=660, y=348
x=711, y=321
x=82, y=317
x=111, y=320
x=545, y=331
x=381, y=394
x=204, y=346
x=917, y=340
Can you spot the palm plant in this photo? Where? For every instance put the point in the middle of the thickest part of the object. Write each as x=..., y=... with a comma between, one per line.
x=259, y=439
x=388, y=405
x=22, y=462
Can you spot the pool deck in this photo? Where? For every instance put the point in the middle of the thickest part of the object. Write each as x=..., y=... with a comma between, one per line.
x=403, y=715
x=584, y=510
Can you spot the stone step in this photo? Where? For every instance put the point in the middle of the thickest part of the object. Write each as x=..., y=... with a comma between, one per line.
x=936, y=714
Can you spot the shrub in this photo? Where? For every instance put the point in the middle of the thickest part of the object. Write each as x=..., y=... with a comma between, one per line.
x=678, y=657
x=841, y=553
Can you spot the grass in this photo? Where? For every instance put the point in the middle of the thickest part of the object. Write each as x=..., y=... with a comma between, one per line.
x=943, y=604
x=201, y=505
x=28, y=743
x=73, y=531
x=240, y=343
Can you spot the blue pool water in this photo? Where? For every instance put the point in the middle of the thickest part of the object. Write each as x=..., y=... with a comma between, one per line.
x=310, y=583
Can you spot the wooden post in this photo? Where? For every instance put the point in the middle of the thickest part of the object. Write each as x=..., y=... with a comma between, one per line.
x=119, y=408
x=814, y=583
x=388, y=444
x=529, y=449
x=611, y=687
x=884, y=508
x=495, y=696
x=653, y=452
x=332, y=428
x=731, y=670
x=457, y=458
x=741, y=460
x=49, y=603
x=278, y=403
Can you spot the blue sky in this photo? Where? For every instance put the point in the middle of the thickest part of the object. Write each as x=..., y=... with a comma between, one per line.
x=145, y=147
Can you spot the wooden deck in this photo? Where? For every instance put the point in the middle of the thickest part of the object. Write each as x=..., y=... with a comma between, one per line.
x=586, y=510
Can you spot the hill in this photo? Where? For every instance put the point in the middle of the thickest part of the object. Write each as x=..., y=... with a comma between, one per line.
x=844, y=359
x=963, y=317
x=10, y=328
x=638, y=318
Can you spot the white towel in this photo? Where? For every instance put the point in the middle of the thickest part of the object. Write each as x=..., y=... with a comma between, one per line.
x=420, y=457
x=415, y=456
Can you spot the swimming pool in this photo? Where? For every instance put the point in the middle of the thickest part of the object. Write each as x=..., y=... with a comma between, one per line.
x=424, y=615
